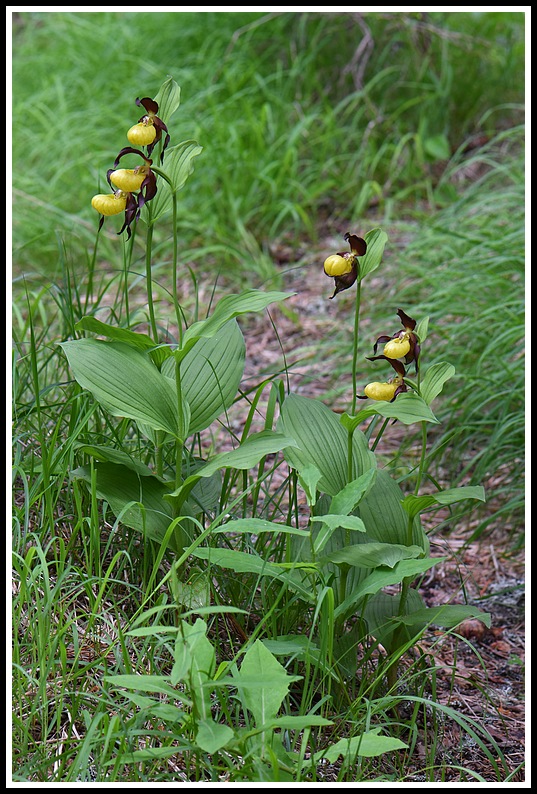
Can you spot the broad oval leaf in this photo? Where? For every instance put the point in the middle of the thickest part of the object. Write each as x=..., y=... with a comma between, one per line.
x=383, y=577
x=331, y=523
x=382, y=512
x=257, y=526
x=446, y=615
x=351, y=495
x=142, y=341
x=371, y=555
x=241, y=562
x=383, y=620
x=246, y=456
x=212, y=736
x=368, y=744
x=376, y=240
x=168, y=99
x=434, y=379
x=322, y=441
x=178, y=167
x=137, y=501
x=408, y=408
x=211, y=374
x=226, y=309
x=89, y=323
x=265, y=701
x=112, y=455
x=125, y=381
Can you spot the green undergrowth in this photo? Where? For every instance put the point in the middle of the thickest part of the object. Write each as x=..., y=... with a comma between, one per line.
x=220, y=584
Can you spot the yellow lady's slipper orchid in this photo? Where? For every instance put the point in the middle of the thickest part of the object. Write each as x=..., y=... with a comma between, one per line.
x=403, y=344
x=388, y=390
x=148, y=131
x=343, y=266
x=128, y=181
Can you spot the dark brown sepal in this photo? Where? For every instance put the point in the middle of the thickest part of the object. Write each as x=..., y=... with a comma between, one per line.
x=357, y=244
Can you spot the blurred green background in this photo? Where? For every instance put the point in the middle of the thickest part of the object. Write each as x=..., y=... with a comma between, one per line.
x=305, y=118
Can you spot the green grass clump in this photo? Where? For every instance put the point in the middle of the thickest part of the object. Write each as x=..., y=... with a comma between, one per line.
x=467, y=270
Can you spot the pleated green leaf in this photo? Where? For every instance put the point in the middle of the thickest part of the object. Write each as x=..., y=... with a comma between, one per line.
x=382, y=512
x=112, y=455
x=226, y=309
x=434, y=379
x=238, y=561
x=88, y=323
x=138, y=501
x=125, y=382
x=241, y=562
x=178, y=165
x=158, y=352
x=371, y=555
x=210, y=375
x=168, y=99
x=351, y=495
x=331, y=524
x=246, y=456
x=376, y=241
x=383, y=577
x=408, y=408
x=418, y=504
x=322, y=441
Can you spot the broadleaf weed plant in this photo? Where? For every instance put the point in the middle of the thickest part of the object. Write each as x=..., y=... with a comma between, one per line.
x=324, y=589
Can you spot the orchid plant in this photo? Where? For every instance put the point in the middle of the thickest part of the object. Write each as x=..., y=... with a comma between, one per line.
x=364, y=535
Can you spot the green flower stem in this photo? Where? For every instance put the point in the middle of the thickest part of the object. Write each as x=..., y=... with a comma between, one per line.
x=345, y=567
x=91, y=272
x=355, y=340
x=410, y=526
x=159, y=435
x=380, y=434
x=127, y=259
x=178, y=312
x=174, y=270
x=182, y=430
x=148, y=247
